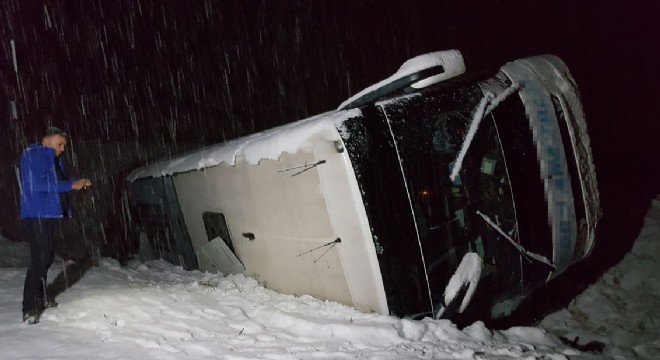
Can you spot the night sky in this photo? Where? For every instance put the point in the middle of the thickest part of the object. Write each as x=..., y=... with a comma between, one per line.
x=187, y=73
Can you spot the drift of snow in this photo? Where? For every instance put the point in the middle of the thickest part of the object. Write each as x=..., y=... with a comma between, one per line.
x=450, y=60
x=468, y=272
x=622, y=309
x=159, y=311
x=270, y=144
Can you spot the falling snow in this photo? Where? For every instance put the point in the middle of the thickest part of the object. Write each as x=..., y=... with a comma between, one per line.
x=142, y=80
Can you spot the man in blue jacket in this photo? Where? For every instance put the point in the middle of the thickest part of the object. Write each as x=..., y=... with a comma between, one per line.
x=43, y=203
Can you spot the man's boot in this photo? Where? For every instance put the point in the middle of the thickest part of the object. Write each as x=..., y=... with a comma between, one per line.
x=31, y=317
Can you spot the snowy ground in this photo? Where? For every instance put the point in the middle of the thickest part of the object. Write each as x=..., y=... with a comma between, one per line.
x=159, y=311
x=622, y=309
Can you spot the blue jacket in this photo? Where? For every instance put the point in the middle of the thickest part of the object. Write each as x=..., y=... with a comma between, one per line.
x=40, y=189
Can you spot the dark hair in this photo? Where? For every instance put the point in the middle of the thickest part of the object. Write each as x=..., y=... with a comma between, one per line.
x=52, y=130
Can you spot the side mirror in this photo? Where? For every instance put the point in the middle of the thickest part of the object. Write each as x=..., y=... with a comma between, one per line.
x=419, y=72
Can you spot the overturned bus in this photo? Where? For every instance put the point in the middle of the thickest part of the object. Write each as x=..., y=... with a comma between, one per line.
x=433, y=192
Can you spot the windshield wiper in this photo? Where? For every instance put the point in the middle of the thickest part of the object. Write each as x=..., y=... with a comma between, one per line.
x=522, y=250
x=487, y=104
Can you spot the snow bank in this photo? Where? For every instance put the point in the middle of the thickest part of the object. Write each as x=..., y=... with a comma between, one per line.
x=270, y=144
x=159, y=311
x=622, y=309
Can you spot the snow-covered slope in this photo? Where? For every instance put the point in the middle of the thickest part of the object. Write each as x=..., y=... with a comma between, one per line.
x=622, y=309
x=159, y=311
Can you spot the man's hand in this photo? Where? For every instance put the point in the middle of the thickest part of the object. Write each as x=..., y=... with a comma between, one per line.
x=81, y=184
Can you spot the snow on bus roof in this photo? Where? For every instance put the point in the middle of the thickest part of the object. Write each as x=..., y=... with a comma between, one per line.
x=269, y=144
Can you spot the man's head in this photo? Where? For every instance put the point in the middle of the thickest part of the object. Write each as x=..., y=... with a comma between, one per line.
x=55, y=139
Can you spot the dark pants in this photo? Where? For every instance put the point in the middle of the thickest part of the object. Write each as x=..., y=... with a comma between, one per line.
x=39, y=232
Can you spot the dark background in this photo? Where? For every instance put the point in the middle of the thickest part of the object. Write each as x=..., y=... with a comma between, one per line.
x=134, y=80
